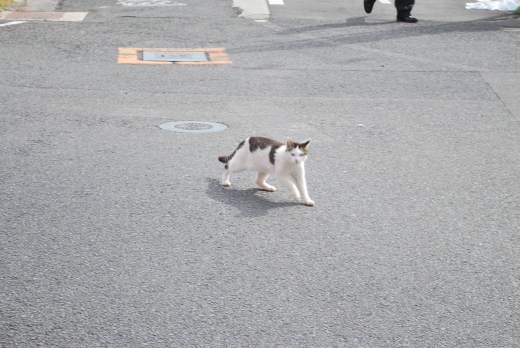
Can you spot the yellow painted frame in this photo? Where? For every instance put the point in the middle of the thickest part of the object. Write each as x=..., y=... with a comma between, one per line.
x=129, y=55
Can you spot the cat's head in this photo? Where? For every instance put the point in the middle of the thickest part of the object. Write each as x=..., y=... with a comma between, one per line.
x=296, y=152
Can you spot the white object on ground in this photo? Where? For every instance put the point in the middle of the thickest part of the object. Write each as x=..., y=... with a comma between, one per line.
x=500, y=5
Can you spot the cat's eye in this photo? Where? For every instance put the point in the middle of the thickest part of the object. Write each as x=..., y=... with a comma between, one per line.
x=292, y=154
x=302, y=154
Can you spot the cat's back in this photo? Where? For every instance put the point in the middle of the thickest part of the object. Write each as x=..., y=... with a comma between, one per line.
x=261, y=153
x=260, y=143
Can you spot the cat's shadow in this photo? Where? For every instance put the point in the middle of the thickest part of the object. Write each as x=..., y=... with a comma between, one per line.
x=252, y=202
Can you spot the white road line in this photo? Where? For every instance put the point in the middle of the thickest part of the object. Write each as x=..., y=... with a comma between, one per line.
x=11, y=23
x=276, y=2
x=73, y=16
x=149, y=3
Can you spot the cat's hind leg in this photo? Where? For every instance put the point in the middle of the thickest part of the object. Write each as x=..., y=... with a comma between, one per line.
x=260, y=181
x=233, y=166
x=225, y=178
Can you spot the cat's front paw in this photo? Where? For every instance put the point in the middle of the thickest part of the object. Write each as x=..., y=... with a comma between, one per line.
x=269, y=188
x=297, y=198
x=226, y=184
x=309, y=202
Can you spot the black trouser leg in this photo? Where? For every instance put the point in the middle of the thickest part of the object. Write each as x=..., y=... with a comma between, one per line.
x=404, y=7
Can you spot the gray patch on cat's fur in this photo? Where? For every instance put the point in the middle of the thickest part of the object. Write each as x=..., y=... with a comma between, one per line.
x=272, y=153
x=304, y=147
x=256, y=143
x=226, y=159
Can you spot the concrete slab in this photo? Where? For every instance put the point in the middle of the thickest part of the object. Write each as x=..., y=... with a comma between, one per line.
x=39, y=5
x=505, y=85
x=253, y=9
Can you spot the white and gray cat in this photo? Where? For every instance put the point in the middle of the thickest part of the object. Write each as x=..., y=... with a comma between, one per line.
x=267, y=156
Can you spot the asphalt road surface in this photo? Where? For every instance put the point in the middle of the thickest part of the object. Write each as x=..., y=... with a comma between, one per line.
x=117, y=233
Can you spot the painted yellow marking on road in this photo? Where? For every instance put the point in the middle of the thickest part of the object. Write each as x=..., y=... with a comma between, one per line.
x=130, y=55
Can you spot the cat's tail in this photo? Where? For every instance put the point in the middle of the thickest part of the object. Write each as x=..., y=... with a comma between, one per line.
x=224, y=159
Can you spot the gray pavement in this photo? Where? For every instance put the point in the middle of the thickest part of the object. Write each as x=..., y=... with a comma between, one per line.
x=116, y=233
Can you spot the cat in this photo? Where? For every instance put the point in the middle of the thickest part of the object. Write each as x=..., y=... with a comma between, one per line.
x=267, y=156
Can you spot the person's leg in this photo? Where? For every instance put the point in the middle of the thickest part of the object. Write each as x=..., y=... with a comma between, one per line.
x=404, y=11
x=369, y=4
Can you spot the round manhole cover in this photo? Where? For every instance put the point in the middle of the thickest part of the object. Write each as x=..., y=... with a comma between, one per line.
x=193, y=126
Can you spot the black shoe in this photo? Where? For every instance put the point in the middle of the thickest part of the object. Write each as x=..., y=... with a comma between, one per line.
x=369, y=4
x=407, y=19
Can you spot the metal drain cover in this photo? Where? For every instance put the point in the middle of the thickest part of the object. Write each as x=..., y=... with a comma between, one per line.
x=193, y=126
x=175, y=56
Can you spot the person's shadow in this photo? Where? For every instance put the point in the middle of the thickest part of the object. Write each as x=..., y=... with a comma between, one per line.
x=253, y=202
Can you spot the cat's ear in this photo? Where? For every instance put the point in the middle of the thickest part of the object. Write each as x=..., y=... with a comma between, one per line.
x=305, y=144
x=290, y=144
